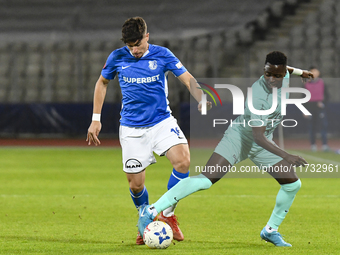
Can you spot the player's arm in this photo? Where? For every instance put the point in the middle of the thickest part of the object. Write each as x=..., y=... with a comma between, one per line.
x=262, y=140
x=303, y=73
x=98, y=101
x=190, y=82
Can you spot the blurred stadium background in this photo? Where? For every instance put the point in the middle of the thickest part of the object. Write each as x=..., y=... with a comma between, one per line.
x=52, y=52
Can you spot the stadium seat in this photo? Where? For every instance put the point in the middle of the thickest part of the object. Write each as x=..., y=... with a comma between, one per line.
x=5, y=59
x=296, y=57
x=312, y=18
x=64, y=85
x=326, y=42
x=34, y=73
x=327, y=61
x=77, y=36
x=283, y=43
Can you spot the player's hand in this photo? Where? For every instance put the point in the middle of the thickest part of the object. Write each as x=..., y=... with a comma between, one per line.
x=209, y=106
x=93, y=132
x=307, y=76
x=295, y=160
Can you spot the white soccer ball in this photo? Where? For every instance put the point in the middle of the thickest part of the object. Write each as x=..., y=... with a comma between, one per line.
x=158, y=235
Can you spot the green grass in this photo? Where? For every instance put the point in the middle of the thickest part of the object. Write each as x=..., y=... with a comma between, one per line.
x=76, y=201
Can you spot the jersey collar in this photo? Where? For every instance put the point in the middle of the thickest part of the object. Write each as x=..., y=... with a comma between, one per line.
x=264, y=86
x=145, y=53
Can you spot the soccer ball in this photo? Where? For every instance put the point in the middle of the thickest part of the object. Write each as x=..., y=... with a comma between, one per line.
x=157, y=235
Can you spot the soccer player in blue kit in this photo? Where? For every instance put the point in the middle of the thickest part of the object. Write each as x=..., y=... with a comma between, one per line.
x=254, y=142
x=146, y=123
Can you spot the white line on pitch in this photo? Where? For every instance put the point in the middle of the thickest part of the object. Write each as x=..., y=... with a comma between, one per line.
x=316, y=158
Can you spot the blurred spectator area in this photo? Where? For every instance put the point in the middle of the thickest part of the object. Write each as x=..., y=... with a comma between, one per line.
x=52, y=52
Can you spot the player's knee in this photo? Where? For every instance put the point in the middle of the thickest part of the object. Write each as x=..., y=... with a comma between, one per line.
x=292, y=187
x=136, y=190
x=136, y=187
x=200, y=181
x=206, y=183
x=183, y=165
x=298, y=185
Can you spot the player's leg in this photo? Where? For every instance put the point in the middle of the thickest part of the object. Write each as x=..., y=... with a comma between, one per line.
x=179, y=157
x=312, y=108
x=228, y=149
x=139, y=194
x=285, y=175
x=290, y=184
x=183, y=189
x=216, y=160
x=313, y=123
x=137, y=155
x=138, y=191
x=192, y=184
x=169, y=140
x=323, y=129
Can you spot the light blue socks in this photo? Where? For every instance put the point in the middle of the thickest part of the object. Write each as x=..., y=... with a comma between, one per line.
x=284, y=200
x=182, y=189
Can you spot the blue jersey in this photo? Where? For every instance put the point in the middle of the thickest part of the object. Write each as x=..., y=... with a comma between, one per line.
x=143, y=83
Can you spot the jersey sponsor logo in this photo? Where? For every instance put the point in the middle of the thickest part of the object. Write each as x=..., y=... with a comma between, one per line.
x=141, y=80
x=124, y=67
x=179, y=65
x=132, y=163
x=153, y=64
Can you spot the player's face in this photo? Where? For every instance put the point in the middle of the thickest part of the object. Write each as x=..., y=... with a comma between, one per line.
x=315, y=72
x=138, y=48
x=274, y=75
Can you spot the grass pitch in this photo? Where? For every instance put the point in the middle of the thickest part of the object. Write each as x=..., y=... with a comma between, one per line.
x=76, y=201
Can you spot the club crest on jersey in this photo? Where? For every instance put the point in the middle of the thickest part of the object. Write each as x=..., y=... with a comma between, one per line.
x=153, y=64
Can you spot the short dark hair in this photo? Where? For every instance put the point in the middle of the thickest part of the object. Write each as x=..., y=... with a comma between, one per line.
x=133, y=29
x=313, y=67
x=276, y=58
